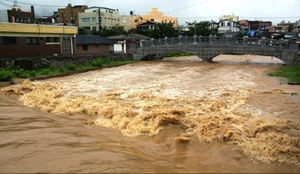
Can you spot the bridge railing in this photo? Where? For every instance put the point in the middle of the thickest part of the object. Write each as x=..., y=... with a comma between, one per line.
x=246, y=41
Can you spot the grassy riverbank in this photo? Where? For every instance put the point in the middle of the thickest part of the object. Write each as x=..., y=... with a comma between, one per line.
x=10, y=71
x=292, y=73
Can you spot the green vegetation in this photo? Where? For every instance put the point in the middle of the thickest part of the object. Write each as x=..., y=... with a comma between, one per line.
x=10, y=71
x=292, y=73
x=161, y=30
x=177, y=54
x=202, y=28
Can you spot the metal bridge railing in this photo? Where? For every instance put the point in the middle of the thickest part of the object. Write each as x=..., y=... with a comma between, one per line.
x=227, y=40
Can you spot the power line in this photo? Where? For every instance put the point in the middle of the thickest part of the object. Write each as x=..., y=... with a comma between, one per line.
x=190, y=6
x=24, y=3
x=4, y=4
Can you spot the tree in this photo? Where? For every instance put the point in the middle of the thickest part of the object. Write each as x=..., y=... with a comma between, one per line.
x=202, y=28
x=160, y=30
x=82, y=31
x=114, y=30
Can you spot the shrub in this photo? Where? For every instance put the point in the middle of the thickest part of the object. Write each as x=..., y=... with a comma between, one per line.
x=98, y=62
x=45, y=72
x=5, y=75
x=177, y=54
x=71, y=67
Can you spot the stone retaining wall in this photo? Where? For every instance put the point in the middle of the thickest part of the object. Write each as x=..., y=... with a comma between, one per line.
x=58, y=61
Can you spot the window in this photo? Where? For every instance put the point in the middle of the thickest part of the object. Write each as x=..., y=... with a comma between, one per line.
x=93, y=19
x=87, y=28
x=9, y=40
x=52, y=39
x=86, y=19
x=32, y=41
x=56, y=39
x=85, y=47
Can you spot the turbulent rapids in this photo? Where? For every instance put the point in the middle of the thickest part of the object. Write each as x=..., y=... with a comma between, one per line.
x=232, y=104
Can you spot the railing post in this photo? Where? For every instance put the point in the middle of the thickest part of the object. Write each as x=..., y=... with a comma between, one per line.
x=195, y=39
x=152, y=42
x=166, y=40
x=200, y=38
x=210, y=39
x=180, y=41
x=281, y=43
x=141, y=43
x=159, y=41
x=263, y=40
x=227, y=39
x=245, y=39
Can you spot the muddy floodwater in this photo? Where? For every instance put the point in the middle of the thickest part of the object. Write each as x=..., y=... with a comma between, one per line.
x=173, y=115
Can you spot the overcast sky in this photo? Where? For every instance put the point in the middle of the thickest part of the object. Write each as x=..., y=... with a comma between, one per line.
x=185, y=11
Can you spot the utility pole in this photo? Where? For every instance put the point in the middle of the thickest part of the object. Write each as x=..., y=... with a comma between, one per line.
x=99, y=15
x=195, y=25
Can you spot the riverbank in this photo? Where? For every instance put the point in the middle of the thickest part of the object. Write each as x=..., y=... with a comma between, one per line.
x=62, y=71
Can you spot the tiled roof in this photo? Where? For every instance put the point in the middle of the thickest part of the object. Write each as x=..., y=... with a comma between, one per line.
x=129, y=37
x=93, y=39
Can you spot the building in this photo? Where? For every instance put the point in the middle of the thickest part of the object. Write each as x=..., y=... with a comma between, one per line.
x=94, y=18
x=129, y=21
x=16, y=15
x=69, y=14
x=231, y=18
x=156, y=16
x=149, y=25
x=227, y=26
x=227, y=23
x=94, y=45
x=255, y=28
x=35, y=40
x=127, y=43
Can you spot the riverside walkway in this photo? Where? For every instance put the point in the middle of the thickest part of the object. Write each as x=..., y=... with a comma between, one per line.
x=207, y=48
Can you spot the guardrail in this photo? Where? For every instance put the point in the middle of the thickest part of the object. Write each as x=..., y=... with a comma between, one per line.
x=226, y=40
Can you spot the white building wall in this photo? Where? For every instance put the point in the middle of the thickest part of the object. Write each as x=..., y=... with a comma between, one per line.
x=3, y=16
x=90, y=18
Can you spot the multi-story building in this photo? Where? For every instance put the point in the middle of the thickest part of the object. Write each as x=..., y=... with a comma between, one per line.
x=133, y=21
x=257, y=28
x=228, y=23
x=156, y=16
x=16, y=15
x=232, y=18
x=69, y=14
x=228, y=26
x=95, y=18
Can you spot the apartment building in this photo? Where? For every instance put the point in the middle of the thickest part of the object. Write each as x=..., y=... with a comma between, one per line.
x=69, y=14
x=94, y=18
x=157, y=16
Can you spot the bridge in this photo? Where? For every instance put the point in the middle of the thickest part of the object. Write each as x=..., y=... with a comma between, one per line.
x=209, y=47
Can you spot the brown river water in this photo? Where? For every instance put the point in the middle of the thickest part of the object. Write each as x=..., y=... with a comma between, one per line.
x=176, y=115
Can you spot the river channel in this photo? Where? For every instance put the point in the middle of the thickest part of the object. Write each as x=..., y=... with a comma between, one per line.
x=172, y=115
